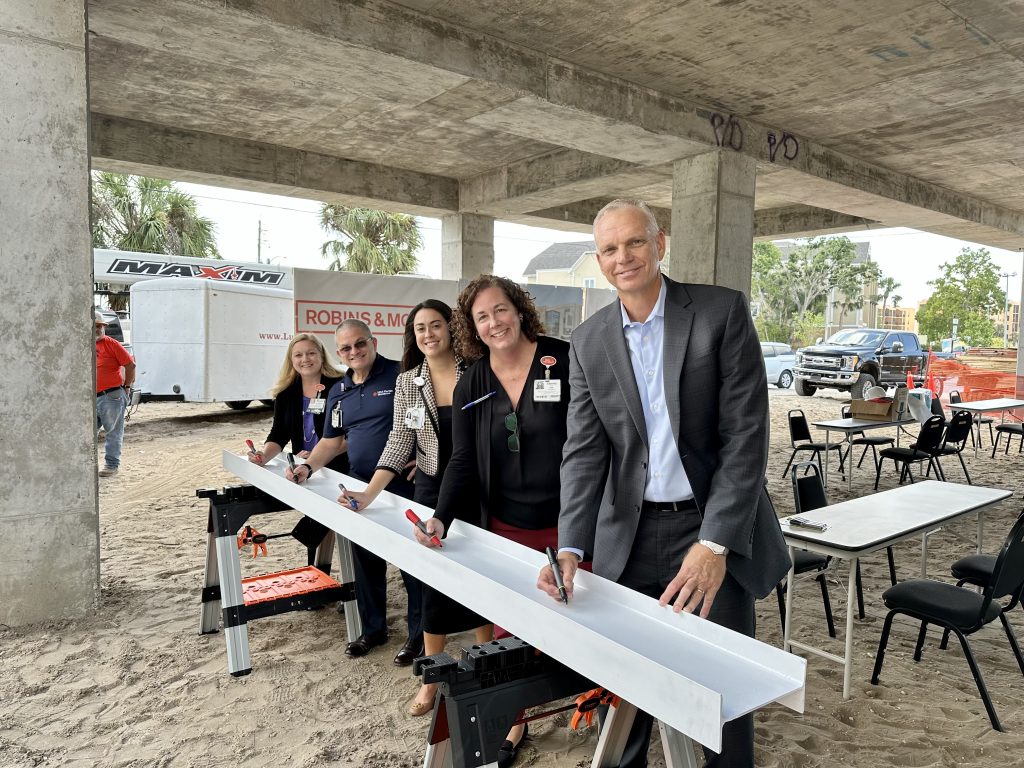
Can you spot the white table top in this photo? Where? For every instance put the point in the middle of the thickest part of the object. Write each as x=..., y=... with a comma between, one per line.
x=857, y=425
x=981, y=406
x=868, y=523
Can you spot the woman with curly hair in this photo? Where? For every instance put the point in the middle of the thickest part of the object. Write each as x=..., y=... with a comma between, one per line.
x=300, y=394
x=508, y=426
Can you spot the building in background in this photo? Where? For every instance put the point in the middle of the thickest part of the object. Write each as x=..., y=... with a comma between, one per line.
x=572, y=264
x=1011, y=322
x=899, y=319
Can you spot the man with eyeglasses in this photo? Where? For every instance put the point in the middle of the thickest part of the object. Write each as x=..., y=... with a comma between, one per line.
x=359, y=416
x=663, y=469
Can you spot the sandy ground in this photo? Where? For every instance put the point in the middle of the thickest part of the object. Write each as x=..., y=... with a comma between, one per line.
x=136, y=685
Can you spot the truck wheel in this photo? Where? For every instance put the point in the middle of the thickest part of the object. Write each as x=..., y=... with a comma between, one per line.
x=803, y=388
x=785, y=380
x=237, y=405
x=866, y=381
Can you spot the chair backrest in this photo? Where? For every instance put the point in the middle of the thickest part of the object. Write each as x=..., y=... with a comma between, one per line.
x=954, y=397
x=937, y=408
x=844, y=412
x=958, y=429
x=798, y=429
x=808, y=490
x=1008, y=573
x=929, y=439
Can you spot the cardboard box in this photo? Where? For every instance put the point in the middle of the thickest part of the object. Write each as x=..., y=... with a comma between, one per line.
x=892, y=409
x=867, y=409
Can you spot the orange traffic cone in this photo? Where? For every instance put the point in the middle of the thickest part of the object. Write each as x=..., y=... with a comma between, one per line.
x=910, y=381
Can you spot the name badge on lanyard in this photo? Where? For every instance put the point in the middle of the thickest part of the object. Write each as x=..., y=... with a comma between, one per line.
x=547, y=390
x=336, y=416
x=317, y=402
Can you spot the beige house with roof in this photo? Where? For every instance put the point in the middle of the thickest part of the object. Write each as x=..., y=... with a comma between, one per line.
x=571, y=264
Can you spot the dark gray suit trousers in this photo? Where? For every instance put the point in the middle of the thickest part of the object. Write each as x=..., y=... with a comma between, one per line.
x=662, y=540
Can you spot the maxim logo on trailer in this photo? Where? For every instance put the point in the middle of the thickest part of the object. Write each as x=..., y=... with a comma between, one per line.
x=232, y=272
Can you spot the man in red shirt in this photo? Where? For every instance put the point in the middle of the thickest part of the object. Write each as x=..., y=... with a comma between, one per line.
x=112, y=393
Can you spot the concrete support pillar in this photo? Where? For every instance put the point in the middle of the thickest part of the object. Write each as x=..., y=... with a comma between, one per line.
x=713, y=219
x=467, y=245
x=49, y=519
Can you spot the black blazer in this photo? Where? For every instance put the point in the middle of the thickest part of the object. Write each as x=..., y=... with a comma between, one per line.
x=287, y=426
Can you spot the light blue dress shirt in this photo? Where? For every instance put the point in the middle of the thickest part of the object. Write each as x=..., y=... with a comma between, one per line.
x=666, y=478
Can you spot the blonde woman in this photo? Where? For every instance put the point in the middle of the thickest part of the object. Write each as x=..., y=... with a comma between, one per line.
x=300, y=396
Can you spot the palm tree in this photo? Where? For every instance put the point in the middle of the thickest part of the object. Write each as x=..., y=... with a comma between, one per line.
x=372, y=241
x=136, y=213
x=887, y=286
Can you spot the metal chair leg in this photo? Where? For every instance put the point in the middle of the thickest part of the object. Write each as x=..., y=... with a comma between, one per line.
x=892, y=565
x=1013, y=641
x=883, y=641
x=828, y=605
x=920, y=640
x=788, y=463
x=860, y=593
x=960, y=455
x=976, y=671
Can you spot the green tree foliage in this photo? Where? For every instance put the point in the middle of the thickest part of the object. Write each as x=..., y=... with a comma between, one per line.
x=136, y=213
x=792, y=288
x=967, y=289
x=376, y=242
x=887, y=286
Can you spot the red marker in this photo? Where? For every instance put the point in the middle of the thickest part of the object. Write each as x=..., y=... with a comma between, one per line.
x=252, y=448
x=415, y=520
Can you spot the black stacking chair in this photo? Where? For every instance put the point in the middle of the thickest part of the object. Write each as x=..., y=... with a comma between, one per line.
x=800, y=439
x=961, y=611
x=861, y=438
x=929, y=441
x=1011, y=430
x=954, y=399
x=955, y=440
x=808, y=494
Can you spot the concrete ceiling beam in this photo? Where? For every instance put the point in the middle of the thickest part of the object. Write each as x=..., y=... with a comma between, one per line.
x=805, y=221
x=555, y=178
x=598, y=114
x=130, y=146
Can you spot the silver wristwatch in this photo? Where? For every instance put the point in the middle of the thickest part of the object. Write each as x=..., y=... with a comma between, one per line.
x=716, y=549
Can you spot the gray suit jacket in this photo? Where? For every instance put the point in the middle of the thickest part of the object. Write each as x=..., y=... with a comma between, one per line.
x=717, y=399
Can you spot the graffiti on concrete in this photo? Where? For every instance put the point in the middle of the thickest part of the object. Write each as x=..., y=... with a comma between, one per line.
x=728, y=131
x=789, y=144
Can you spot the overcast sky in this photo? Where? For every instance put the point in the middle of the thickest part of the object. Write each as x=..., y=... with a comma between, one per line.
x=292, y=236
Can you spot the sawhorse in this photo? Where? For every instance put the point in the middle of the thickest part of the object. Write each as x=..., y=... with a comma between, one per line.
x=480, y=695
x=230, y=509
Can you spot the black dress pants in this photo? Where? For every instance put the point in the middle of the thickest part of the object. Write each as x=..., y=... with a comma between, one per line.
x=662, y=539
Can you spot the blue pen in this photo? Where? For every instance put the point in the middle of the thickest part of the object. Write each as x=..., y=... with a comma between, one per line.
x=351, y=502
x=479, y=400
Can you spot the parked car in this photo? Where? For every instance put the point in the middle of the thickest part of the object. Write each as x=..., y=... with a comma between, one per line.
x=115, y=329
x=779, y=361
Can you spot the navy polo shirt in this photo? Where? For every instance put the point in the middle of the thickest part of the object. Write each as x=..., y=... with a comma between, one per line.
x=366, y=413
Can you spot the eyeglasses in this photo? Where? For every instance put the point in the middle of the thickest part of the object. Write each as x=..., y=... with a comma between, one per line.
x=512, y=425
x=360, y=344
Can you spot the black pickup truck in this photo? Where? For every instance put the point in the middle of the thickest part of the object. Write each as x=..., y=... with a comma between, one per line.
x=857, y=358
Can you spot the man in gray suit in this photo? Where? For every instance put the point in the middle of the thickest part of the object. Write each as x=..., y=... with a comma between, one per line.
x=663, y=469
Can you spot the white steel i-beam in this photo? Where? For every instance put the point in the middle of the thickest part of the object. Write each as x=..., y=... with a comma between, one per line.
x=691, y=674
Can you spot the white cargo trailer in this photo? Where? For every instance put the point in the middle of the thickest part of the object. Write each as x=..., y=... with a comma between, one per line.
x=208, y=341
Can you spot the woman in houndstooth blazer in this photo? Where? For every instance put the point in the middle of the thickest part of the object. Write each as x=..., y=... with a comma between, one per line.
x=422, y=428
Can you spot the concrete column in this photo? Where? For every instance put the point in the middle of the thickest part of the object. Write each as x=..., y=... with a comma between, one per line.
x=49, y=518
x=713, y=219
x=467, y=245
